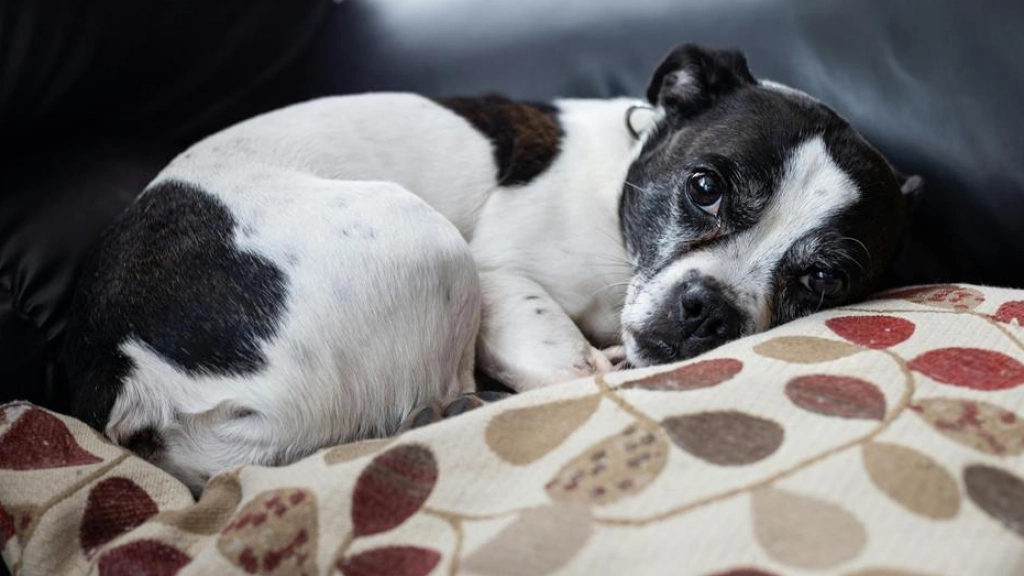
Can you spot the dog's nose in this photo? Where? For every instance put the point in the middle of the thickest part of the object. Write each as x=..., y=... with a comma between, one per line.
x=706, y=314
x=699, y=318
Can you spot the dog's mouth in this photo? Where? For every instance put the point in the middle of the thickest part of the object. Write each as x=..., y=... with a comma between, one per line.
x=647, y=348
x=640, y=354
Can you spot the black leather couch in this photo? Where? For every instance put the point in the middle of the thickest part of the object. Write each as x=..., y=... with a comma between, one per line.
x=96, y=95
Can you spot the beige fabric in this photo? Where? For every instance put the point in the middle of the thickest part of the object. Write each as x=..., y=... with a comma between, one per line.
x=885, y=438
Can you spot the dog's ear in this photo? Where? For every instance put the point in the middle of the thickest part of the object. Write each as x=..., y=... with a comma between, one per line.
x=692, y=78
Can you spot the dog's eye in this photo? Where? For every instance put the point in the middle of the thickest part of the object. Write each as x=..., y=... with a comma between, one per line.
x=705, y=191
x=823, y=282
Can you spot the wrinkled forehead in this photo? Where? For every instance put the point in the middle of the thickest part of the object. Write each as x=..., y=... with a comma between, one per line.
x=811, y=190
x=793, y=230
x=795, y=165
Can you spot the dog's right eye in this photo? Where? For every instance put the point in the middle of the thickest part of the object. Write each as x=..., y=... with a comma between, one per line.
x=705, y=191
x=823, y=283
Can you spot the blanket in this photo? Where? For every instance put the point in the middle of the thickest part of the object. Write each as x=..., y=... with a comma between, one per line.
x=885, y=438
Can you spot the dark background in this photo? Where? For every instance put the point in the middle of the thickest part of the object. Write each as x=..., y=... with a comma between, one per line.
x=97, y=95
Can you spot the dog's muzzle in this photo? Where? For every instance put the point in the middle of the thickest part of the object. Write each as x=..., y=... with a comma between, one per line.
x=697, y=317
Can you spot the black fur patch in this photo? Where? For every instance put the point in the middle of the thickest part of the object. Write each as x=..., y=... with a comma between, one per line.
x=146, y=443
x=527, y=137
x=859, y=243
x=169, y=275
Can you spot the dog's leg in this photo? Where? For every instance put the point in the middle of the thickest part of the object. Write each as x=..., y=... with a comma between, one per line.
x=526, y=339
x=379, y=308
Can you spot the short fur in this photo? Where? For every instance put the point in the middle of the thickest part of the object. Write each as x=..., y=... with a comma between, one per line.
x=307, y=277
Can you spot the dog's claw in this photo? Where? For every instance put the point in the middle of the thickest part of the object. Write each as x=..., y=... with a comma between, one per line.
x=607, y=360
x=615, y=354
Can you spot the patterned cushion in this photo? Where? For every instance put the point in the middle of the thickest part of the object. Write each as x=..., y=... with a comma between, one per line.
x=883, y=438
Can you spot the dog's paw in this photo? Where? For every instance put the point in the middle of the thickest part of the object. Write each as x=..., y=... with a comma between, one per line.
x=601, y=361
x=616, y=355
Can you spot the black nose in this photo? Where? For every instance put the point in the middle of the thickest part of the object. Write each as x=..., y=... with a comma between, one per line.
x=706, y=313
x=700, y=317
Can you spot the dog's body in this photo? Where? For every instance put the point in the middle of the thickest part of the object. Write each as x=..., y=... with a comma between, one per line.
x=308, y=276
x=371, y=299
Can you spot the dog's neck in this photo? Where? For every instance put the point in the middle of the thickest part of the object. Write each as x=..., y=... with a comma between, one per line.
x=576, y=150
x=597, y=149
x=567, y=216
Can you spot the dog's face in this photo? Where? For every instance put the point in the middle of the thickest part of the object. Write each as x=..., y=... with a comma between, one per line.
x=749, y=205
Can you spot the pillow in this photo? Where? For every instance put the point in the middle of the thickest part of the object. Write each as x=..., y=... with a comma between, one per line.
x=881, y=438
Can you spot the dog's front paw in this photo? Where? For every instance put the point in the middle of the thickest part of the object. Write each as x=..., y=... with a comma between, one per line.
x=616, y=355
x=600, y=361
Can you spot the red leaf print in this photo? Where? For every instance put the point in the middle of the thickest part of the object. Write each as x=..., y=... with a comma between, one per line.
x=915, y=291
x=115, y=506
x=1011, y=312
x=702, y=374
x=392, y=487
x=872, y=331
x=40, y=440
x=979, y=425
x=143, y=558
x=973, y=368
x=947, y=296
x=7, y=530
x=274, y=533
x=390, y=561
x=842, y=396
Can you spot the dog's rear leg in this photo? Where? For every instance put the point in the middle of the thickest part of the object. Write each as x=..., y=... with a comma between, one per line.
x=467, y=365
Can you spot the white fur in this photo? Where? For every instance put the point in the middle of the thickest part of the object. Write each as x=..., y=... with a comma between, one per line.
x=563, y=229
x=813, y=189
x=377, y=207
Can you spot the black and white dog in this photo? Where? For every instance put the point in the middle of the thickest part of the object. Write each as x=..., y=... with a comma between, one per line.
x=308, y=276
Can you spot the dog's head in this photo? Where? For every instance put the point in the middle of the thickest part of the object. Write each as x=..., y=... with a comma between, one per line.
x=749, y=204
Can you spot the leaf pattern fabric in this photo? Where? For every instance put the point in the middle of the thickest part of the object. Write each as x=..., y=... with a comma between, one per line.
x=881, y=439
x=840, y=396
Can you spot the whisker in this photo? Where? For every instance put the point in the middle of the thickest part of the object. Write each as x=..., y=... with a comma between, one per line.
x=608, y=287
x=854, y=260
x=638, y=188
x=614, y=238
x=863, y=247
x=609, y=258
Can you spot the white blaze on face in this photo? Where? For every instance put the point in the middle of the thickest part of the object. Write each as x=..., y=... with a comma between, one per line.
x=813, y=189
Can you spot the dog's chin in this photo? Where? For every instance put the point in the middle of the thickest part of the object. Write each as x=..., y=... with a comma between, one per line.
x=635, y=356
x=640, y=356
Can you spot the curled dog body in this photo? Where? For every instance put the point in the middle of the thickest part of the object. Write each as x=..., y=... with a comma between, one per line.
x=308, y=276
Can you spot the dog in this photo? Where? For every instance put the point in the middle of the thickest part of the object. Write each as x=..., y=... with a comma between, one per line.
x=309, y=276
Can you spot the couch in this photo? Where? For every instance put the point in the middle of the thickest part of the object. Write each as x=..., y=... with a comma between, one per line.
x=95, y=96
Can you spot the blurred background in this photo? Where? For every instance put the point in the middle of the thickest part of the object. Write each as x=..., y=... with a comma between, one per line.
x=97, y=95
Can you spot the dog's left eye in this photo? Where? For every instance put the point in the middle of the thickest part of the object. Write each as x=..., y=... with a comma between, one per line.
x=705, y=191
x=823, y=282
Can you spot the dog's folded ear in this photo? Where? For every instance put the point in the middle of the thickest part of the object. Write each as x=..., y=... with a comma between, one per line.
x=692, y=78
